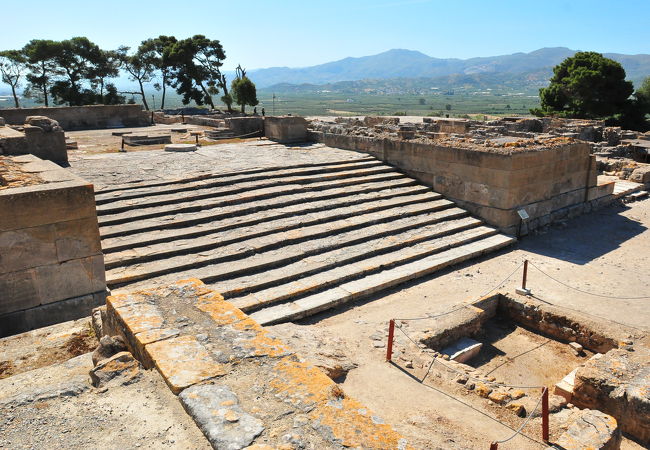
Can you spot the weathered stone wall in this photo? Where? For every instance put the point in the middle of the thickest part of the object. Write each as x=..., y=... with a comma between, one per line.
x=617, y=384
x=39, y=136
x=285, y=129
x=51, y=263
x=240, y=126
x=563, y=325
x=35, y=141
x=467, y=322
x=84, y=117
x=547, y=182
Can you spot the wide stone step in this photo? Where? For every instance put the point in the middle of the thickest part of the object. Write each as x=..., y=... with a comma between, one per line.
x=337, y=266
x=217, y=237
x=253, y=193
x=225, y=185
x=148, y=186
x=123, y=275
x=371, y=284
x=189, y=225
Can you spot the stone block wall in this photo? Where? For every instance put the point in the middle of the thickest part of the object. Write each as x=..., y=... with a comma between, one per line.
x=286, y=129
x=240, y=126
x=51, y=262
x=83, y=117
x=36, y=141
x=546, y=182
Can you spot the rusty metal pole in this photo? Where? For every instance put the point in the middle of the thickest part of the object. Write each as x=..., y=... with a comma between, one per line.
x=494, y=446
x=389, y=347
x=197, y=139
x=545, y=434
x=523, y=290
x=523, y=281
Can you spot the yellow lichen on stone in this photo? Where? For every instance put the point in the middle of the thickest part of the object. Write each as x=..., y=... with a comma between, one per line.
x=183, y=361
x=349, y=421
x=222, y=312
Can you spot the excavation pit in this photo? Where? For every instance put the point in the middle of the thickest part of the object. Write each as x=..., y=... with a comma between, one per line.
x=517, y=355
x=507, y=348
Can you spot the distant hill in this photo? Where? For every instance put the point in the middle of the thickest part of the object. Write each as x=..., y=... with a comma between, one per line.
x=399, y=63
x=498, y=82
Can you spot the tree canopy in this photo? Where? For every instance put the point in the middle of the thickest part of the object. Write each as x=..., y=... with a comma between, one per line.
x=12, y=67
x=590, y=86
x=77, y=71
x=244, y=92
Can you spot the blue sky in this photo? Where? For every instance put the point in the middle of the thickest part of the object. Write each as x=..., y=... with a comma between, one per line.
x=293, y=33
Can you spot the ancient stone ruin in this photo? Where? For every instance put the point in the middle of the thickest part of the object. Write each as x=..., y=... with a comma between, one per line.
x=238, y=281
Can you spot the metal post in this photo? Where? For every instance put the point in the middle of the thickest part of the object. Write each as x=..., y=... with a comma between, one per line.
x=494, y=446
x=197, y=139
x=389, y=347
x=152, y=122
x=523, y=290
x=545, y=436
x=122, y=148
x=523, y=281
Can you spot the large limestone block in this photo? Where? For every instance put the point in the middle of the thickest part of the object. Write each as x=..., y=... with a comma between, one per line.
x=32, y=206
x=216, y=410
x=72, y=278
x=618, y=384
x=591, y=430
x=27, y=247
x=77, y=239
x=285, y=129
x=19, y=291
x=183, y=361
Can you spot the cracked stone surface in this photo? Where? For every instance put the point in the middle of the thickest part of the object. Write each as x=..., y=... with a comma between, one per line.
x=215, y=409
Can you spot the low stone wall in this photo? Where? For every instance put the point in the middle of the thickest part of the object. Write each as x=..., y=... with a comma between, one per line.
x=549, y=320
x=235, y=379
x=83, y=117
x=33, y=140
x=285, y=129
x=618, y=384
x=549, y=183
x=51, y=262
x=563, y=325
x=246, y=126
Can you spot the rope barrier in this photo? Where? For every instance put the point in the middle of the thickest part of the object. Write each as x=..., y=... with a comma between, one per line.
x=506, y=279
x=428, y=316
x=234, y=137
x=436, y=360
x=587, y=292
x=491, y=383
x=432, y=316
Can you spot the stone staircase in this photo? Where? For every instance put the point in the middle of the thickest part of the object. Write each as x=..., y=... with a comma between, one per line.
x=283, y=243
x=218, y=133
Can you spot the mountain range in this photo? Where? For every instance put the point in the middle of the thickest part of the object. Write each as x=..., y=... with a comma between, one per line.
x=400, y=63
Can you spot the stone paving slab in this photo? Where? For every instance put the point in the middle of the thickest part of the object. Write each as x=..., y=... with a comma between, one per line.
x=240, y=384
x=216, y=410
x=183, y=362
